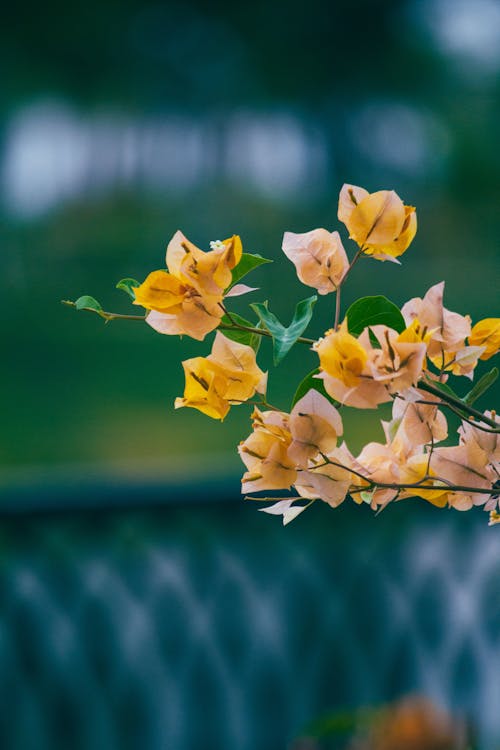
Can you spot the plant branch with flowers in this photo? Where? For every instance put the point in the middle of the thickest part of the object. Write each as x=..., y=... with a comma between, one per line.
x=376, y=354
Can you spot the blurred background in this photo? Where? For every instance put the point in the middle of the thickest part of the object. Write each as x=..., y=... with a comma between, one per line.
x=121, y=122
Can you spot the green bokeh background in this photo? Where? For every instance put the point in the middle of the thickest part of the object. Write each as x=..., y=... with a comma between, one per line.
x=373, y=78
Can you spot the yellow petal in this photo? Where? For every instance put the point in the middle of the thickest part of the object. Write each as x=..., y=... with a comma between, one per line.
x=265, y=454
x=233, y=251
x=378, y=219
x=414, y=470
x=486, y=333
x=160, y=291
x=415, y=333
x=392, y=250
x=204, y=389
x=342, y=356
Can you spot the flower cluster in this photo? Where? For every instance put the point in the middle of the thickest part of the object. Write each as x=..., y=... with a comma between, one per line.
x=298, y=450
x=187, y=299
x=229, y=375
x=376, y=353
x=357, y=372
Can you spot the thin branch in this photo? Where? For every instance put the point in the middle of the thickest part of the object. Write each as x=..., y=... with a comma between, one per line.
x=337, y=301
x=107, y=316
x=424, y=385
x=337, y=308
x=414, y=485
x=456, y=411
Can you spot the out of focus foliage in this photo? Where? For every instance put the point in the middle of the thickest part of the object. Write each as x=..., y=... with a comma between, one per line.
x=122, y=122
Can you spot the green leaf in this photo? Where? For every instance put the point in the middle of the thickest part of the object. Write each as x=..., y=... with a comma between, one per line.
x=481, y=386
x=371, y=311
x=312, y=383
x=247, y=263
x=126, y=285
x=445, y=388
x=242, y=337
x=285, y=338
x=87, y=303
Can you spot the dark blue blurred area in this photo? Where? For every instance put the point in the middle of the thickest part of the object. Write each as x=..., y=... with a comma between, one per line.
x=181, y=624
x=132, y=613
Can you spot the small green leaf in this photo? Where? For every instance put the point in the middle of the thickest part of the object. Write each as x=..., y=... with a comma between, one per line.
x=371, y=311
x=312, y=383
x=285, y=338
x=242, y=337
x=126, y=285
x=481, y=386
x=247, y=263
x=87, y=303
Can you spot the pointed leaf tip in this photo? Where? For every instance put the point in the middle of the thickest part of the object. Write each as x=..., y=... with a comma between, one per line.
x=481, y=386
x=247, y=263
x=126, y=285
x=285, y=338
x=86, y=302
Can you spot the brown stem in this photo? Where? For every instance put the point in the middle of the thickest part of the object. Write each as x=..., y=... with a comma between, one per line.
x=458, y=413
x=107, y=316
x=337, y=301
x=424, y=385
x=415, y=485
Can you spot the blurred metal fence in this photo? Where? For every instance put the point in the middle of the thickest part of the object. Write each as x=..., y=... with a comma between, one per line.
x=149, y=620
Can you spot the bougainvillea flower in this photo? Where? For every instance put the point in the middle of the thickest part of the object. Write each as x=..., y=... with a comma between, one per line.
x=403, y=460
x=488, y=442
x=209, y=272
x=315, y=425
x=240, y=367
x=417, y=424
x=397, y=363
x=461, y=362
x=416, y=333
x=229, y=375
x=416, y=469
x=357, y=373
x=319, y=258
x=286, y=450
x=464, y=465
x=379, y=222
x=265, y=453
x=342, y=356
x=378, y=463
x=330, y=481
x=448, y=330
x=486, y=333
x=187, y=298
x=205, y=388
x=197, y=317
x=393, y=464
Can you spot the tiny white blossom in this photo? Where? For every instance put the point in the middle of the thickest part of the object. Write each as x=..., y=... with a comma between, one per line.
x=217, y=245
